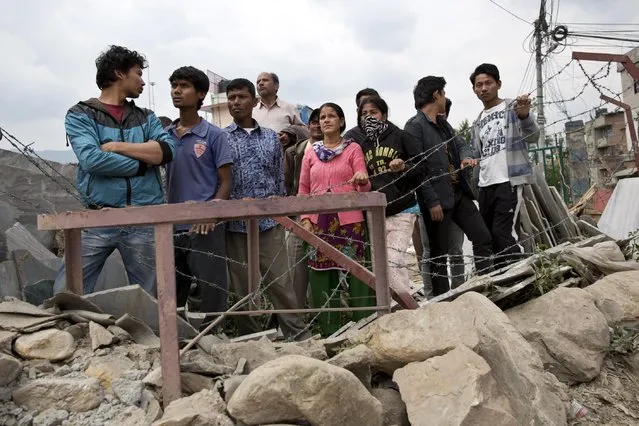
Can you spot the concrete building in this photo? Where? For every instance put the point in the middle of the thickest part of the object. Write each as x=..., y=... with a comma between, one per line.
x=578, y=166
x=630, y=92
x=606, y=146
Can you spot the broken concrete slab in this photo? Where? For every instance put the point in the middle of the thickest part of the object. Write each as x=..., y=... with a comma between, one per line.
x=9, y=281
x=19, y=238
x=113, y=274
x=135, y=301
x=104, y=320
x=16, y=315
x=6, y=341
x=138, y=330
x=67, y=301
x=38, y=292
x=30, y=270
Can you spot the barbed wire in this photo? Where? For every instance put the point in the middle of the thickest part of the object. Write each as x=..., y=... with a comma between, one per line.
x=412, y=163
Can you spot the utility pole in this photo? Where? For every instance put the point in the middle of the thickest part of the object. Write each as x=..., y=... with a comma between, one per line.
x=541, y=29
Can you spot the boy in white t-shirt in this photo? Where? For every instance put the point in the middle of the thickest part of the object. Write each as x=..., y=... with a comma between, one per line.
x=500, y=138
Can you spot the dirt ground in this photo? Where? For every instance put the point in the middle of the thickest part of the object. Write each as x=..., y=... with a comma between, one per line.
x=613, y=397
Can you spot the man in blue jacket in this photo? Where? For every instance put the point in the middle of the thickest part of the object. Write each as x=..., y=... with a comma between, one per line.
x=119, y=147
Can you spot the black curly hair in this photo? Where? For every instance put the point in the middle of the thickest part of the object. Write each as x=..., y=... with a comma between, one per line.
x=196, y=77
x=116, y=58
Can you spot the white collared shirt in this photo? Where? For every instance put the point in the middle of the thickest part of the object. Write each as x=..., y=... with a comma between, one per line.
x=278, y=117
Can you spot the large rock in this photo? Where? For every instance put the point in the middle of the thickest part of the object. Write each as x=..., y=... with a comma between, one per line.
x=300, y=388
x=77, y=395
x=256, y=353
x=310, y=347
x=10, y=369
x=456, y=388
x=357, y=360
x=535, y=395
x=51, y=344
x=199, y=362
x=573, y=341
x=204, y=408
x=353, y=358
x=475, y=322
x=100, y=336
x=617, y=296
x=416, y=335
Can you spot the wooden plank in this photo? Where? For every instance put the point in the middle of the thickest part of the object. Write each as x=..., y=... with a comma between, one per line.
x=19, y=238
x=528, y=240
x=253, y=243
x=507, y=292
x=73, y=260
x=377, y=231
x=535, y=218
x=216, y=209
x=341, y=329
x=167, y=311
x=269, y=334
x=550, y=209
x=349, y=265
x=565, y=214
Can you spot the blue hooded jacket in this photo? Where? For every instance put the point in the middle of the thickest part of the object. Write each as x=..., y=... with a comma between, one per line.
x=107, y=179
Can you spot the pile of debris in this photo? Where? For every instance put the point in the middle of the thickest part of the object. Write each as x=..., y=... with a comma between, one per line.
x=72, y=362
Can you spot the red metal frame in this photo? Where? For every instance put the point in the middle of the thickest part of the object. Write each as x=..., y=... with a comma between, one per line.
x=164, y=216
x=631, y=124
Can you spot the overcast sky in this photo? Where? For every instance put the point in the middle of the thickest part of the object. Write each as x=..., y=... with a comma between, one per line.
x=323, y=50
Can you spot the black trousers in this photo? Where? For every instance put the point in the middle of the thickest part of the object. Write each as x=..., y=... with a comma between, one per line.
x=499, y=206
x=467, y=217
x=202, y=259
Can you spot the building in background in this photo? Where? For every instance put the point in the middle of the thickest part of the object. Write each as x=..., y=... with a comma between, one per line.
x=578, y=165
x=630, y=92
x=218, y=111
x=607, y=146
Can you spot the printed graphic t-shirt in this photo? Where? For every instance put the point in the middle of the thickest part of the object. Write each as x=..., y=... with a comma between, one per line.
x=492, y=134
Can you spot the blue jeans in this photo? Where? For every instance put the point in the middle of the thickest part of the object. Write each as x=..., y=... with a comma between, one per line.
x=137, y=247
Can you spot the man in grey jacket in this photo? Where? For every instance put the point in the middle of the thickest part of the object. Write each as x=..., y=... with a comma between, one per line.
x=500, y=137
x=445, y=196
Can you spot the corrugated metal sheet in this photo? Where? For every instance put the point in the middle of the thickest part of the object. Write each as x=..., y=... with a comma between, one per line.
x=621, y=216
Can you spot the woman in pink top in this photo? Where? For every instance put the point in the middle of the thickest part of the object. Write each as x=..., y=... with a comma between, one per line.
x=335, y=165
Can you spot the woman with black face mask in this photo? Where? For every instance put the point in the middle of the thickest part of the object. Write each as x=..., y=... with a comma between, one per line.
x=393, y=163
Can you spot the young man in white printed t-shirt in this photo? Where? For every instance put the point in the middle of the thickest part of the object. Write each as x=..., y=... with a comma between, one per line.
x=500, y=138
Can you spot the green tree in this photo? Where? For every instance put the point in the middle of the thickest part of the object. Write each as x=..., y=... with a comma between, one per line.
x=463, y=130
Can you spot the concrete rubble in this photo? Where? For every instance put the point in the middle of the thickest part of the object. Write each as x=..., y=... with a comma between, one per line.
x=463, y=361
x=508, y=348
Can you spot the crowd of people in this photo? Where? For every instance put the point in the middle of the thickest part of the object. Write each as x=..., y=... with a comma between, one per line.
x=129, y=157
